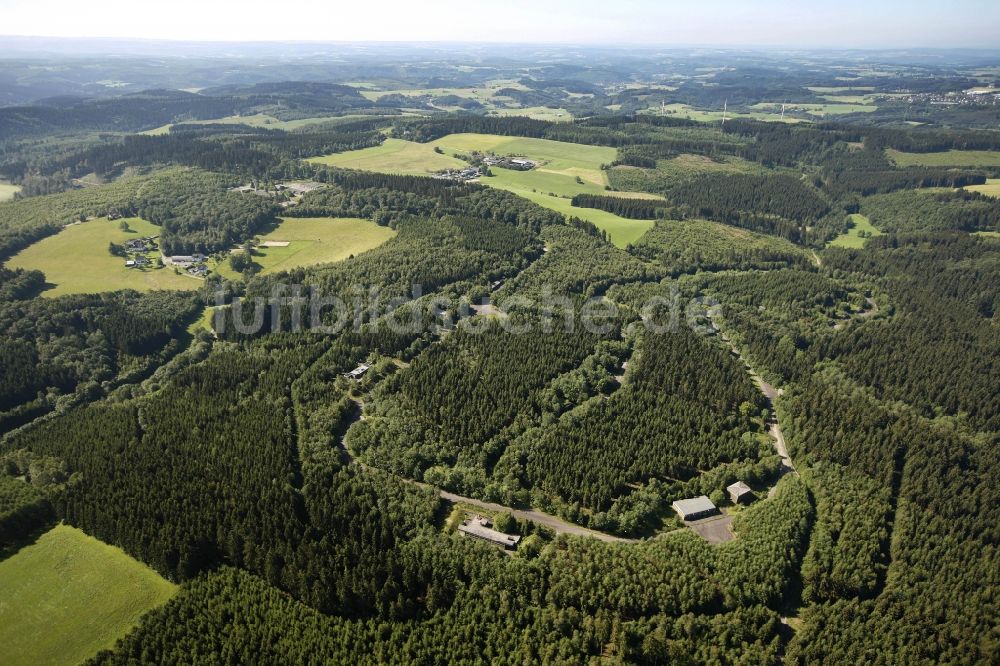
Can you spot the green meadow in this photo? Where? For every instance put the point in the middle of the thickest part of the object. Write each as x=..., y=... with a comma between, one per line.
x=77, y=261
x=991, y=188
x=564, y=170
x=820, y=110
x=853, y=239
x=621, y=230
x=67, y=596
x=393, y=156
x=708, y=116
x=486, y=95
x=312, y=241
x=7, y=191
x=258, y=120
x=949, y=158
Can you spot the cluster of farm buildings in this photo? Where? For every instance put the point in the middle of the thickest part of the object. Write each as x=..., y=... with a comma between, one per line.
x=480, y=164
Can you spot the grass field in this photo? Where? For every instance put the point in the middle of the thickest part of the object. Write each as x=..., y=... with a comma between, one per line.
x=818, y=110
x=706, y=116
x=393, y=156
x=258, y=120
x=68, y=596
x=312, y=241
x=685, y=166
x=77, y=261
x=7, y=191
x=950, y=158
x=991, y=188
x=561, y=164
x=853, y=239
x=537, y=112
x=621, y=230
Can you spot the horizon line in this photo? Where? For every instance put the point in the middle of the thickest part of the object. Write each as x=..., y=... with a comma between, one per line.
x=753, y=46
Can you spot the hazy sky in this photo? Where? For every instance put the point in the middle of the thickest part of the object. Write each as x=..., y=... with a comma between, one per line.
x=820, y=23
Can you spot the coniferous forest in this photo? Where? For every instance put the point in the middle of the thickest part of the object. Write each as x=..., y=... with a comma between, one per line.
x=801, y=310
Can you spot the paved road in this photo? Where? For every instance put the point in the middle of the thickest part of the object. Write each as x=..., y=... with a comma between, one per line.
x=558, y=525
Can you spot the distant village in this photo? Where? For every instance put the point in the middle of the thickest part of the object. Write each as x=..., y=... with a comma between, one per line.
x=973, y=97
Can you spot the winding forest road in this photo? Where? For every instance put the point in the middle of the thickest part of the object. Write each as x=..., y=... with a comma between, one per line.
x=773, y=427
x=554, y=523
x=560, y=526
x=557, y=525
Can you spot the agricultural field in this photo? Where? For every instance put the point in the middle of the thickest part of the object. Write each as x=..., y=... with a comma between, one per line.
x=819, y=110
x=393, y=156
x=853, y=238
x=949, y=158
x=485, y=95
x=557, y=115
x=565, y=169
x=77, y=261
x=7, y=191
x=701, y=115
x=621, y=230
x=312, y=241
x=559, y=162
x=991, y=188
x=258, y=120
x=68, y=596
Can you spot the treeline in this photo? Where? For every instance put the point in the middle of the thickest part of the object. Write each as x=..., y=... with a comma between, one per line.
x=632, y=208
x=153, y=108
x=866, y=183
x=775, y=204
x=254, y=152
x=18, y=284
x=386, y=199
x=23, y=508
x=931, y=140
x=25, y=221
x=901, y=212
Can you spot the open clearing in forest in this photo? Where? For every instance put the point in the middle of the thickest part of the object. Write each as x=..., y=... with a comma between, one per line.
x=621, y=230
x=7, y=191
x=68, y=596
x=948, y=158
x=393, y=156
x=564, y=170
x=258, y=120
x=77, y=261
x=308, y=241
x=991, y=188
x=853, y=238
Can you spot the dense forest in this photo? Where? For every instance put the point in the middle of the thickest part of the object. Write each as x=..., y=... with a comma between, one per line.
x=511, y=354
